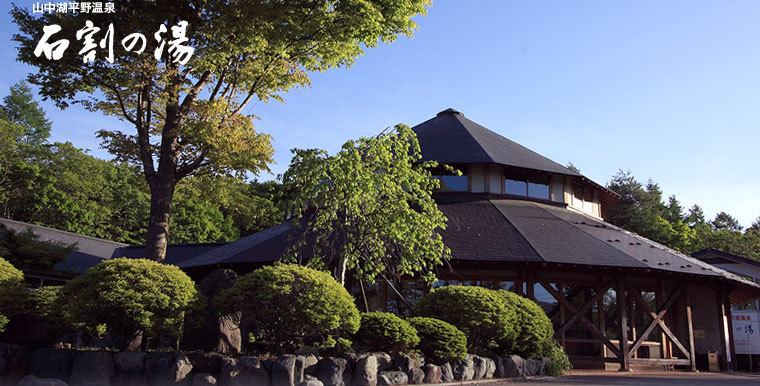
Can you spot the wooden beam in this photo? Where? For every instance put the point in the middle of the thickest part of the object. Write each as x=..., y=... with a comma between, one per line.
x=625, y=358
x=600, y=294
x=570, y=296
x=690, y=327
x=657, y=320
x=578, y=315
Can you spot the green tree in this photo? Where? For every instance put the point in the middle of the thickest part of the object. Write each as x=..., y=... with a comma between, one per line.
x=20, y=108
x=25, y=251
x=673, y=210
x=368, y=209
x=724, y=221
x=696, y=216
x=189, y=115
x=129, y=297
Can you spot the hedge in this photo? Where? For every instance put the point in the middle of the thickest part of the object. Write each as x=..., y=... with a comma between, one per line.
x=439, y=339
x=384, y=331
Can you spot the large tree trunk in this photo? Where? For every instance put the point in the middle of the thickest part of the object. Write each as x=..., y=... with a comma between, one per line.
x=161, y=196
x=162, y=186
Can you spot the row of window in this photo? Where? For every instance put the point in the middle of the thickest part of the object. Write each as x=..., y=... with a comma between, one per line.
x=536, y=187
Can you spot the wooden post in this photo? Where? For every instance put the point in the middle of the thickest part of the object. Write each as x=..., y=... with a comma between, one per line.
x=690, y=327
x=632, y=321
x=731, y=346
x=723, y=328
x=663, y=338
x=562, y=320
x=530, y=286
x=625, y=358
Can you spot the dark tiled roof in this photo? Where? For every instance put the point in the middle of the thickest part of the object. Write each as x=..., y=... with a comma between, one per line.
x=451, y=138
x=175, y=253
x=494, y=229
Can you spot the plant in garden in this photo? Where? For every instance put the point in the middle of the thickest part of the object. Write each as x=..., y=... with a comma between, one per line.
x=535, y=333
x=189, y=116
x=384, y=331
x=288, y=306
x=46, y=303
x=481, y=314
x=3, y=322
x=558, y=360
x=368, y=209
x=439, y=339
x=13, y=294
x=130, y=297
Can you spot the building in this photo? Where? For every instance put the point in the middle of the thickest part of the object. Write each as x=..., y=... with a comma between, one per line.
x=520, y=221
x=746, y=315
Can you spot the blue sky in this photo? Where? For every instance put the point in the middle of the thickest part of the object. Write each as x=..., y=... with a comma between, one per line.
x=669, y=90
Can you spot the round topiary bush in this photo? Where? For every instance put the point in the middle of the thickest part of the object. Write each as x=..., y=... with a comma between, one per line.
x=288, y=306
x=129, y=297
x=481, y=314
x=383, y=331
x=535, y=333
x=45, y=303
x=439, y=339
x=13, y=294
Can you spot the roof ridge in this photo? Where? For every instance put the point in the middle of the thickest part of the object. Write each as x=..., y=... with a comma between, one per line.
x=533, y=247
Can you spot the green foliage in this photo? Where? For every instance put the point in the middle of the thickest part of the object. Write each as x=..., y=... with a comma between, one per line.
x=558, y=360
x=129, y=296
x=439, y=339
x=368, y=209
x=13, y=295
x=290, y=306
x=3, y=322
x=384, y=331
x=642, y=211
x=535, y=333
x=46, y=303
x=191, y=116
x=26, y=251
x=19, y=108
x=481, y=314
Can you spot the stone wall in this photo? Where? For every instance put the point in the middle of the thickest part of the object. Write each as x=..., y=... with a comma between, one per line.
x=71, y=367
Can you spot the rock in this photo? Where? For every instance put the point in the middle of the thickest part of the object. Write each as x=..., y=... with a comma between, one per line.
x=433, y=373
x=479, y=367
x=283, y=371
x=129, y=379
x=310, y=381
x=168, y=369
x=243, y=371
x=490, y=366
x=31, y=380
x=92, y=368
x=416, y=376
x=447, y=373
x=406, y=362
x=331, y=371
x=365, y=371
x=305, y=364
x=392, y=378
x=51, y=363
x=463, y=369
x=514, y=366
x=206, y=362
x=13, y=362
x=203, y=379
x=129, y=362
x=535, y=366
x=219, y=334
x=384, y=361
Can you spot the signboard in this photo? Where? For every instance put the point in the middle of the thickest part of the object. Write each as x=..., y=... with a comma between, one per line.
x=746, y=326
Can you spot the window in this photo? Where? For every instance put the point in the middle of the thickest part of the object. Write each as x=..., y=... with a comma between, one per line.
x=538, y=186
x=516, y=187
x=454, y=183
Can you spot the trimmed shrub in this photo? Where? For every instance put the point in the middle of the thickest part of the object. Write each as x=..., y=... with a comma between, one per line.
x=439, y=339
x=535, y=333
x=384, y=331
x=129, y=297
x=45, y=302
x=481, y=314
x=558, y=360
x=13, y=294
x=289, y=306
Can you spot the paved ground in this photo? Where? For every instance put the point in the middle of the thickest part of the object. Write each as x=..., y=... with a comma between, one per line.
x=589, y=378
